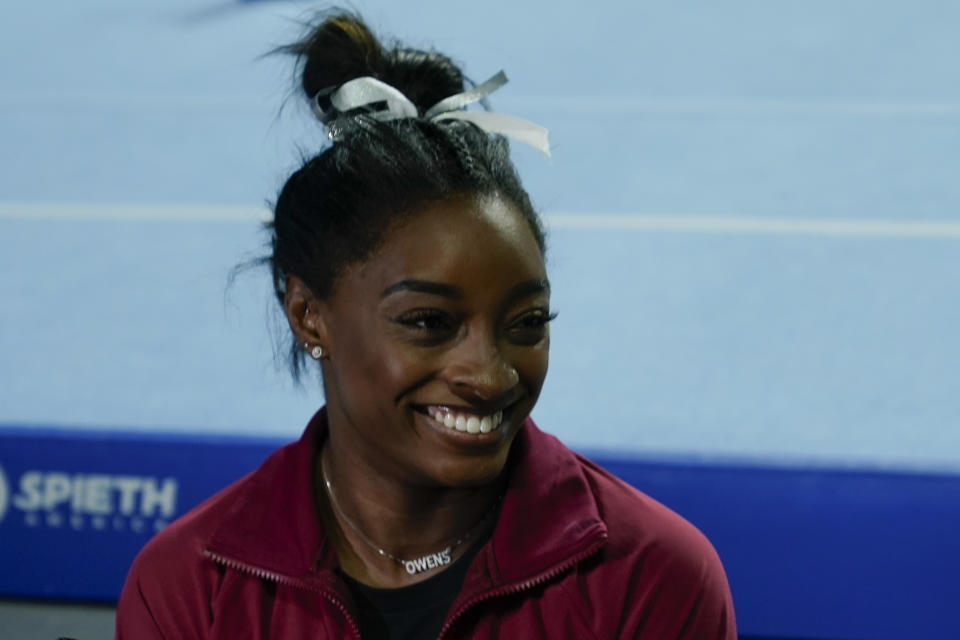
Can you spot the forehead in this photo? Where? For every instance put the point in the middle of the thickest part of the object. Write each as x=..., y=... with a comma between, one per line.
x=474, y=243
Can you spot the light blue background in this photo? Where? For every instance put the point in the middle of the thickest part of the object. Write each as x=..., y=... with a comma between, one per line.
x=137, y=137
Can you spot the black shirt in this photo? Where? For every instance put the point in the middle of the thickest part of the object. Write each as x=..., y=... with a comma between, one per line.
x=416, y=612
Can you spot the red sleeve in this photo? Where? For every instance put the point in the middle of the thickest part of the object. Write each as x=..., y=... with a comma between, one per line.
x=658, y=576
x=678, y=591
x=135, y=620
x=710, y=606
x=168, y=591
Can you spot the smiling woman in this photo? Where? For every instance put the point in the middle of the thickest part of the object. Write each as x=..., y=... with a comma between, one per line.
x=421, y=501
x=434, y=340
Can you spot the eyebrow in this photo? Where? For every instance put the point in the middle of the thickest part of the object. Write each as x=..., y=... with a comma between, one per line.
x=450, y=291
x=423, y=286
x=528, y=288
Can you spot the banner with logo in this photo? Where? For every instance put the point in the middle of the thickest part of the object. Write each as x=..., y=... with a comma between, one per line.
x=76, y=506
x=808, y=552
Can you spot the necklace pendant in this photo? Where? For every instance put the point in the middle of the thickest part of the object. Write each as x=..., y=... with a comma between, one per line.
x=427, y=562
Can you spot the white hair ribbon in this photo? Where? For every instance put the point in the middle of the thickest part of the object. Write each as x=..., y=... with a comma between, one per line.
x=368, y=91
x=509, y=126
x=461, y=100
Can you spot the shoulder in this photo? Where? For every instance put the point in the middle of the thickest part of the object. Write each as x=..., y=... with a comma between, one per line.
x=658, y=562
x=637, y=522
x=171, y=581
x=265, y=519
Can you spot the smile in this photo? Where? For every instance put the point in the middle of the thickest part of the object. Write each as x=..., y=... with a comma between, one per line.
x=464, y=421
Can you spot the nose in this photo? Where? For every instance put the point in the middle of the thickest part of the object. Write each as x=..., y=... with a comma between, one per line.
x=479, y=371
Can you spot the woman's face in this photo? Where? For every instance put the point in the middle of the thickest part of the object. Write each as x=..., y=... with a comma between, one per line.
x=445, y=324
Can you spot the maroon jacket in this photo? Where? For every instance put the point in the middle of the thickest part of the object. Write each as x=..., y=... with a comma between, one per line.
x=575, y=553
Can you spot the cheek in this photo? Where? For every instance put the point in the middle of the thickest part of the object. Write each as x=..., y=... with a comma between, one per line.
x=405, y=369
x=532, y=364
x=381, y=370
x=358, y=361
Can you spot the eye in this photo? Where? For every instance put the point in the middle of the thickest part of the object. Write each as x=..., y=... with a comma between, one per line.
x=531, y=327
x=429, y=324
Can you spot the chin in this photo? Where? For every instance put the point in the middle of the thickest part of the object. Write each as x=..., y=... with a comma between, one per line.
x=475, y=473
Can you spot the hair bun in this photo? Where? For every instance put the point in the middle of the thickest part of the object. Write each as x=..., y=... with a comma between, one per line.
x=342, y=47
x=426, y=77
x=339, y=49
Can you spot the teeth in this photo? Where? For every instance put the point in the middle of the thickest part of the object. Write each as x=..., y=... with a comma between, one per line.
x=466, y=422
x=473, y=424
x=486, y=424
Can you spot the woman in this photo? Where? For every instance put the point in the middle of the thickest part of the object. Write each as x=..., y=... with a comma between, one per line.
x=421, y=502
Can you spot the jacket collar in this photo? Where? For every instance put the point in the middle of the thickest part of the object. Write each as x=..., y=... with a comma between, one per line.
x=272, y=525
x=548, y=514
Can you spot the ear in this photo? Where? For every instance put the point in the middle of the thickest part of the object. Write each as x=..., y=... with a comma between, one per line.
x=306, y=314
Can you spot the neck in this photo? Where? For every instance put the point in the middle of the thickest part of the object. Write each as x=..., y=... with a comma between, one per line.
x=372, y=515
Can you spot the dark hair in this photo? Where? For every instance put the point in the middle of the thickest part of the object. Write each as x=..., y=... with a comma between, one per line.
x=335, y=209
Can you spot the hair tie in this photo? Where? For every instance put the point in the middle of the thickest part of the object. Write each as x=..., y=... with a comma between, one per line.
x=381, y=101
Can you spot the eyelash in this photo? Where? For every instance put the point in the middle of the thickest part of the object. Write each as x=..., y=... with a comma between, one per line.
x=540, y=317
x=414, y=319
x=419, y=320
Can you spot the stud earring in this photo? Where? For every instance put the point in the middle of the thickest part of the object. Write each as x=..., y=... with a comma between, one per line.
x=316, y=352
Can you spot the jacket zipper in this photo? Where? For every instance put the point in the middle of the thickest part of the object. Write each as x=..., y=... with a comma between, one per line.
x=522, y=586
x=264, y=574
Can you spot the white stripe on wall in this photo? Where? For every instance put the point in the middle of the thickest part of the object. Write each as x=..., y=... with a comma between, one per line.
x=132, y=212
x=636, y=222
x=723, y=224
x=58, y=102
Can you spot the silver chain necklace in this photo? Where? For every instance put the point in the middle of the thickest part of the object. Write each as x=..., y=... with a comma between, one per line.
x=413, y=566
